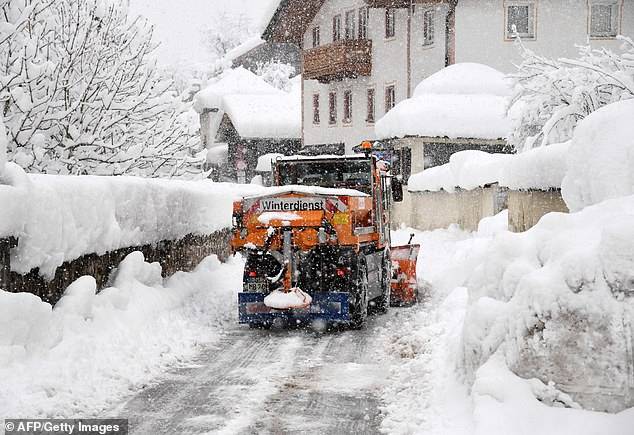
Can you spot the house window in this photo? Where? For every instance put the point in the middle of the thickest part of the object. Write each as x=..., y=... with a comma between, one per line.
x=520, y=19
x=390, y=98
x=350, y=27
x=604, y=18
x=428, y=27
x=332, y=106
x=390, y=23
x=347, y=107
x=336, y=28
x=363, y=23
x=316, y=37
x=316, y=114
x=371, y=107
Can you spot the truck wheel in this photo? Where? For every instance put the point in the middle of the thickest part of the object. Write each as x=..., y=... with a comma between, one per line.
x=359, y=310
x=382, y=303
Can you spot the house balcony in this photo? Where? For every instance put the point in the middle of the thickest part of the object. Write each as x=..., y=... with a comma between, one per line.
x=339, y=60
x=389, y=3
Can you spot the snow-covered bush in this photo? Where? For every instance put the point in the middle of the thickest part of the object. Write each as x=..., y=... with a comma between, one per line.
x=601, y=157
x=553, y=95
x=81, y=92
x=277, y=74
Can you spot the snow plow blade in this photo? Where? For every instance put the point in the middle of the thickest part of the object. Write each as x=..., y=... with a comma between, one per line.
x=327, y=306
x=404, y=280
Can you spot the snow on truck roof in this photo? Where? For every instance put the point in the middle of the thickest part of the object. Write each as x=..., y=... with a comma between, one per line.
x=311, y=190
x=323, y=157
x=465, y=100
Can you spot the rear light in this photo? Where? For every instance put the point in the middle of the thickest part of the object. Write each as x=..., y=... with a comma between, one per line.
x=253, y=274
x=342, y=271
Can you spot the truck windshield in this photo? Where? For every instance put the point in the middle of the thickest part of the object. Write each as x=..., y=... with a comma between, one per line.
x=351, y=174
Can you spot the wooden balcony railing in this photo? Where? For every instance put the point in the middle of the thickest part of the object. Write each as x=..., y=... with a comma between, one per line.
x=389, y=3
x=339, y=60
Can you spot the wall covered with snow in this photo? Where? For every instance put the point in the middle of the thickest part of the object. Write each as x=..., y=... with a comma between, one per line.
x=540, y=168
x=61, y=218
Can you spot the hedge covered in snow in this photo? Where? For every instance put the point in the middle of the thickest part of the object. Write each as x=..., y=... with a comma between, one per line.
x=61, y=218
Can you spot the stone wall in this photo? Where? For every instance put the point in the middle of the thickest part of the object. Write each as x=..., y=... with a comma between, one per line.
x=178, y=255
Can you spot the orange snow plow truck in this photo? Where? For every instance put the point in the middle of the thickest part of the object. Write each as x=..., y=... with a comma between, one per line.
x=317, y=245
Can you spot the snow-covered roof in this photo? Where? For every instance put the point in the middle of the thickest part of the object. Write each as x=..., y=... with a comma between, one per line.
x=232, y=81
x=244, y=48
x=256, y=109
x=465, y=100
x=265, y=116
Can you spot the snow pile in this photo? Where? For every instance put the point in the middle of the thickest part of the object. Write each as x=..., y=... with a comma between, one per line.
x=548, y=304
x=601, y=157
x=464, y=100
x=540, y=168
x=280, y=300
x=61, y=218
x=265, y=162
x=92, y=349
x=466, y=170
x=554, y=301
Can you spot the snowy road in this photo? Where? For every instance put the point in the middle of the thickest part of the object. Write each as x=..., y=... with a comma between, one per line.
x=281, y=381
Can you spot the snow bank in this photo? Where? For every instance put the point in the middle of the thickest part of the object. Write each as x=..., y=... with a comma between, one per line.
x=554, y=300
x=465, y=100
x=548, y=305
x=540, y=168
x=601, y=157
x=92, y=349
x=61, y=218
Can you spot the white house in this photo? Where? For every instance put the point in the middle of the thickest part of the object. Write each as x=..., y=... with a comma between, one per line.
x=362, y=57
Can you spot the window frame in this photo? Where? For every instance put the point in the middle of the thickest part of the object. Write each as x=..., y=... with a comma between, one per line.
x=336, y=28
x=332, y=108
x=390, y=90
x=617, y=8
x=390, y=23
x=370, y=117
x=347, y=106
x=532, y=19
x=350, y=25
x=316, y=109
x=429, y=27
x=316, y=37
x=362, y=28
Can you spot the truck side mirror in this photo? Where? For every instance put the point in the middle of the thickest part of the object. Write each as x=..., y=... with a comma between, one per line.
x=397, y=190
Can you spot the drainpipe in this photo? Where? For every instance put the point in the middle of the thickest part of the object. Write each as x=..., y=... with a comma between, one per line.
x=409, y=49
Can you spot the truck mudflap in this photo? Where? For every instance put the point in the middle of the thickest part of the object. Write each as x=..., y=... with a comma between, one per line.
x=327, y=306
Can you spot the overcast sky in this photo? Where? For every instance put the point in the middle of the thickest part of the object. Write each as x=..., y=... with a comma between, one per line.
x=179, y=23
